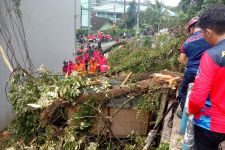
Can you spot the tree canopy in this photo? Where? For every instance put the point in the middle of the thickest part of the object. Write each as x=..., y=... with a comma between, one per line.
x=131, y=16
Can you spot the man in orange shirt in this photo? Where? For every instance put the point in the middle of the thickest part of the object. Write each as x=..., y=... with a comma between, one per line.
x=79, y=67
x=93, y=66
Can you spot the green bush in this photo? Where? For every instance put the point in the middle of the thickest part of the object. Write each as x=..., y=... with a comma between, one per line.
x=146, y=59
x=82, y=31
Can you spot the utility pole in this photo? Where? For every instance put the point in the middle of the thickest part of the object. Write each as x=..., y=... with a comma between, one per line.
x=114, y=9
x=75, y=27
x=125, y=14
x=137, y=26
x=89, y=17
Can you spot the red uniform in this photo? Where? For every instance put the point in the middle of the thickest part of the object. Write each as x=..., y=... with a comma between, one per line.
x=103, y=64
x=96, y=54
x=80, y=67
x=65, y=69
x=207, y=99
x=86, y=57
x=93, y=66
x=79, y=58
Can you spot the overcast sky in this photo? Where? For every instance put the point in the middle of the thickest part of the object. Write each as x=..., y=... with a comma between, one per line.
x=171, y=2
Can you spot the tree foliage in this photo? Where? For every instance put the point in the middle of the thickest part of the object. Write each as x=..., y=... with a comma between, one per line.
x=131, y=16
x=145, y=59
x=156, y=16
x=193, y=7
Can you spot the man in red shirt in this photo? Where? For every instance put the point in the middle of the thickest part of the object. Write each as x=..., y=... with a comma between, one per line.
x=207, y=99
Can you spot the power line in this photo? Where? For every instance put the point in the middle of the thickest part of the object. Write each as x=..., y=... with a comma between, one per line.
x=15, y=20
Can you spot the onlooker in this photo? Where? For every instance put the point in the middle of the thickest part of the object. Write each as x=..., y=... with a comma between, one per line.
x=92, y=50
x=191, y=52
x=103, y=64
x=207, y=99
x=86, y=59
x=71, y=67
x=80, y=58
x=79, y=67
x=65, y=67
x=96, y=53
x=92, y=66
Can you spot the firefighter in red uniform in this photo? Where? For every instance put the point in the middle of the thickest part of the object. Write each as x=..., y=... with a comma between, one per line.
x=103, y=64
x=71, y=67
x=96, y=53
x=65, y=67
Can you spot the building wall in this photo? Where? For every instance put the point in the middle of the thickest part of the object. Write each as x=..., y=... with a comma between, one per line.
x=109, y=15
x=49, y=26
x=49, y=29
x=84, y=13
x=77, y=14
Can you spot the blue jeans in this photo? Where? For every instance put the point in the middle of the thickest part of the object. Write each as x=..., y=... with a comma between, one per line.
x=188, y=78
x=206, y=139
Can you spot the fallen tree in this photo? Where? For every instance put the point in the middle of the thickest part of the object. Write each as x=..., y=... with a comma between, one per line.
x=65, y=112
x=57, y=112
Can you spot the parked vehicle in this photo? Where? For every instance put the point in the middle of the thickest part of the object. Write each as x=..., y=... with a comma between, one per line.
x=100, y=36
x=91, y=38
x=108, y=37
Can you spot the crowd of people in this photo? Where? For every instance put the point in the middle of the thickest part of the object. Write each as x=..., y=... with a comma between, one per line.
x=203, y=54
x=88, y=61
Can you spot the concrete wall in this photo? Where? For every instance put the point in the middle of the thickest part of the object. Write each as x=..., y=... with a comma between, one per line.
x=50, y=33
x=78, y=14
x=49, y=26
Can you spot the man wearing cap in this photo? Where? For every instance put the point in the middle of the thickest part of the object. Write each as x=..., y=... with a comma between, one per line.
x=191, y=52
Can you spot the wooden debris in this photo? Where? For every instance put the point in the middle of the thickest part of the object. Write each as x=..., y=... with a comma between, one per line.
x=163, y=107
x=176, y=139
x=166, y=131
x=135, y=89
x=47, y=114
x=126, y=80
x=172, y=80
x=34, y=106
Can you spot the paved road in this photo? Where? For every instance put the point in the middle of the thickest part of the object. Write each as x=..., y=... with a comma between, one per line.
x=104, y=45
x=107, y=44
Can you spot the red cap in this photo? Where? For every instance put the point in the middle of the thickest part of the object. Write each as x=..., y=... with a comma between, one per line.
x=192, y=22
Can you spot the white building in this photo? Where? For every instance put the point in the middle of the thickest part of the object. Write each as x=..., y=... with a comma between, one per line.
x=77, y=14
x=112, y=11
